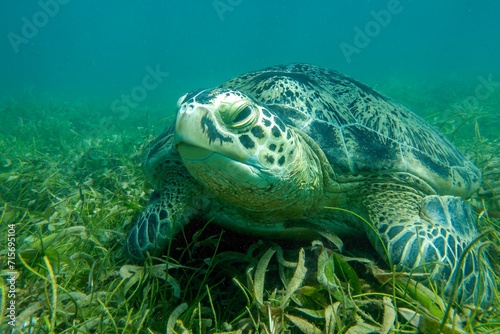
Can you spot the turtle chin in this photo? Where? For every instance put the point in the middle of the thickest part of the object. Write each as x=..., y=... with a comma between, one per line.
x=193, y=153
x=228, y=178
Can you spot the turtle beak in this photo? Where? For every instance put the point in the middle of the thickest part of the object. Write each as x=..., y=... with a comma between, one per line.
x=198, y=134
x=193, y=153
x=186, y=138
x=189, y=126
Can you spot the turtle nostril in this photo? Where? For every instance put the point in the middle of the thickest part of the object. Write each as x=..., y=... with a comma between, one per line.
x=189, y=109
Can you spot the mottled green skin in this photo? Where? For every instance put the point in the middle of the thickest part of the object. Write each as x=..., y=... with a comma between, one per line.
x=266, y=152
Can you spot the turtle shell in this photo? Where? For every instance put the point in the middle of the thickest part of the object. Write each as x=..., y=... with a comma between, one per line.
x=361, y=131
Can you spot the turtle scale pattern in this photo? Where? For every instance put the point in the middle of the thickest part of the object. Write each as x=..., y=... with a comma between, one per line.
x=316, y=138
x=359, y=129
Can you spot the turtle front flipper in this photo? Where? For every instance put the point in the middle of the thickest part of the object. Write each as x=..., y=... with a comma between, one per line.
x=167, y=212
x=429, y=235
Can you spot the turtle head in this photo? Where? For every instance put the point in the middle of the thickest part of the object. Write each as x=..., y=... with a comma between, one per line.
x=244, y=153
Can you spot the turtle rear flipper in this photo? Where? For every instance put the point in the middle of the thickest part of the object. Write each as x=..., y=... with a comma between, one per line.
x=429, y=235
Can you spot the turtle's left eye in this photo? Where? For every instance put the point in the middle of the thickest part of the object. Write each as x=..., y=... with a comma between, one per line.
x=241, y=115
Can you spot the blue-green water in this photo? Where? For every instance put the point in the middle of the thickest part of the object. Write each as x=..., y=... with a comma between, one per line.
x=84, y=85
x=102, y=50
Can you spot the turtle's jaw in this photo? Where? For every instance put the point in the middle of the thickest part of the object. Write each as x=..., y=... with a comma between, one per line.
x=212, y=168
x=193, y=153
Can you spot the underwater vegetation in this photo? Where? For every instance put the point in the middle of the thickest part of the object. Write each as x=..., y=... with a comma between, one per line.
x=71, y=185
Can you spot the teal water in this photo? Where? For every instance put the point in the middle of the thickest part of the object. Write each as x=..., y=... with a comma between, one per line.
x=102, y=50
x=84, y=85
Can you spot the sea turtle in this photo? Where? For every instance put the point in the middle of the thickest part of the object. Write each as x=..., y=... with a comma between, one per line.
x=267, y=152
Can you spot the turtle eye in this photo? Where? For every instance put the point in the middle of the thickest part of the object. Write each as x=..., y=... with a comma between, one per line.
x=242, y=116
